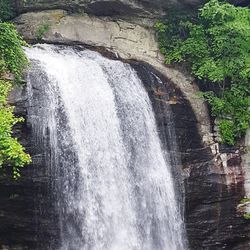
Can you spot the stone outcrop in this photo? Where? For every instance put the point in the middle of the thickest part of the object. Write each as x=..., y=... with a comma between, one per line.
x=127, y=40
x=114, y=8
x=141, y=8
x=27, y=215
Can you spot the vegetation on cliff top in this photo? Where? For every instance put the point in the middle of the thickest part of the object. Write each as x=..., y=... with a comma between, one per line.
x=12, y=63
x=6, y=10
x=215, y=45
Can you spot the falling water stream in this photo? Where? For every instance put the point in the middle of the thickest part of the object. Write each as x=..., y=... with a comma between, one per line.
x=114, y=178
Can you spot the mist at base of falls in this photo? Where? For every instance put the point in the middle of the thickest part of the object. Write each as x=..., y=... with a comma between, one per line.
x=114, y=183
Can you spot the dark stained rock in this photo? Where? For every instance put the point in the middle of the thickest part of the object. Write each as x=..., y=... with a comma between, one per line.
x=141, y=8
x=27, y=215
x=106, y=7
x=213, y=183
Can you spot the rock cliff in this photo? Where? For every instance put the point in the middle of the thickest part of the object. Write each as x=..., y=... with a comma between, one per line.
x=141, y=8
x=129, y=8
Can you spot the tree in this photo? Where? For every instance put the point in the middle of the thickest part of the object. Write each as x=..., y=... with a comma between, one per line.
x=215, y=46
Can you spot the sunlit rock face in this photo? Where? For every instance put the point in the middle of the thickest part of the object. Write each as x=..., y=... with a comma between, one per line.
x=125, y=39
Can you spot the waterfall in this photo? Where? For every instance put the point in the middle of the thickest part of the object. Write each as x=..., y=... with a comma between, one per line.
x=112, y=176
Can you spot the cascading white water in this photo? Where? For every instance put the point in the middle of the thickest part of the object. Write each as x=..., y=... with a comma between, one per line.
x=115, y=183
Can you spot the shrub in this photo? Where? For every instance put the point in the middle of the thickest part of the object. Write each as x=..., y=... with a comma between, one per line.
x=244, y=200
x=12, y=56
x=11, y=152
x=6, y=10
x=12, y=63
x=246, y=216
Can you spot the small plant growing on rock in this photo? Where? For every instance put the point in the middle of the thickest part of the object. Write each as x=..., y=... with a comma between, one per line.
x=244, y=200
x=247, y=216
x=243, y=208
x=42, y=30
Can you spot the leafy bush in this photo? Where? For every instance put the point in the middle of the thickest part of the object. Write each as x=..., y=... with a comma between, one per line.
x=11, y=152
x=6, y=10
x=215, y=45
x=246, y=216
x=244, y=200
x=12, y=56
x=12, y=63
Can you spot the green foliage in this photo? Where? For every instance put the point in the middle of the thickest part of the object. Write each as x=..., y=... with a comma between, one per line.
x=6, y=10
x=42, y=30
x=246, y=216
x=215, y=45
x=227, y=131
x=12, y=56
x=244, y=200
x=11, y=152
x=12, y=63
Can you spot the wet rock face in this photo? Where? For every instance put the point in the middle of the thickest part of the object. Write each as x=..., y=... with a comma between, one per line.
x=213, y=182
x=212, y=221
x=27, y=215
